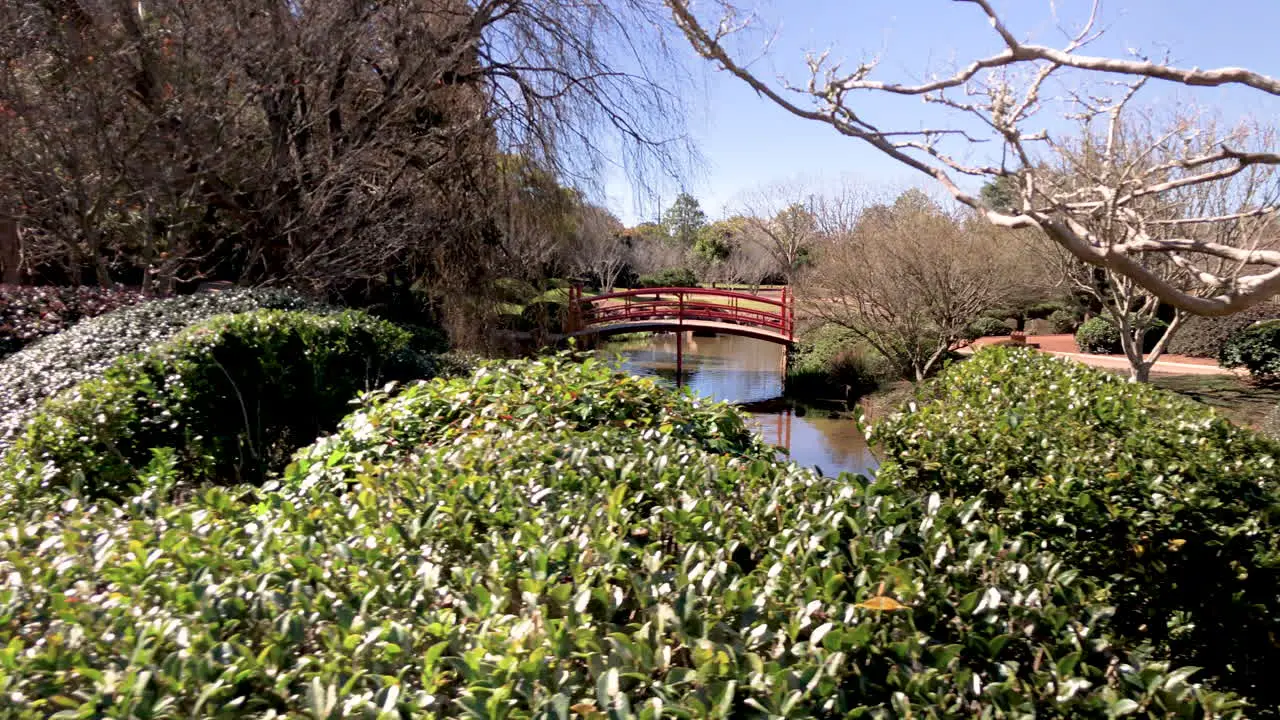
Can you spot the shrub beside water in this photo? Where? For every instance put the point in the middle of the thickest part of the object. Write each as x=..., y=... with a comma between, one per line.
x=830, y=362
x=82, y=352
x=1169, y=506
x=552, y=540
x=231, y=397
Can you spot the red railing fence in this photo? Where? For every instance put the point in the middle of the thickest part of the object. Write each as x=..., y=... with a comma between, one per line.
x=680, y=304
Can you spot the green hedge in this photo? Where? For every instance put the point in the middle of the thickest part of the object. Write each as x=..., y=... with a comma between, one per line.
x=1063, y=321
x=1201, y=336
x=1169, y=506
x=556, y=541
x=671, y=277
x=987, y=327
x=1100, y=336
x=232, y=396
x=1255, y=348
x=550, y=393
x=89, y=347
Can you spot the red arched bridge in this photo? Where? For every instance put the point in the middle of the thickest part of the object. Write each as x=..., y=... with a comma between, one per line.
x=682, y=309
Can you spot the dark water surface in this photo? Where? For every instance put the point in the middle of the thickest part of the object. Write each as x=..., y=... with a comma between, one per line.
x=742, y=370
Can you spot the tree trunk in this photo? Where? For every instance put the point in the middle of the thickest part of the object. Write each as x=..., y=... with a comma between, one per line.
x=1140, y=372
x=10, y=252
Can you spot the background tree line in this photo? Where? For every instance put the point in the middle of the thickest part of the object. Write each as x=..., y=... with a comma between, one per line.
x=360, y=150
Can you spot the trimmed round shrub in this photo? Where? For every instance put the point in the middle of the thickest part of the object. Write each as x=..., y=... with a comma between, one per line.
x=85, y=350
x=28, y=313
x=1201, y=336
x=603, y=562
x=987, y=327
x=543, y=394
x=544, y=315
x=1063, y=321
x=231, y=397
x=1169, y=507
x=1098, y=336
x=513, y=290
x=1255, y=348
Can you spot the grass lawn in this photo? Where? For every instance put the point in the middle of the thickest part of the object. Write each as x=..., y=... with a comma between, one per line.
x=1240, y=401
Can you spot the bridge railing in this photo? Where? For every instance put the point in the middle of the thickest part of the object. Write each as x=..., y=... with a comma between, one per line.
x=679, y=304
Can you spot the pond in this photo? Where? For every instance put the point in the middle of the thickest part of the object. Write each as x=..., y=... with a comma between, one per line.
x=744, y=370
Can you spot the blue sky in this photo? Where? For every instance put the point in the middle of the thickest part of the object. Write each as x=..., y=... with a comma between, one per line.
x=747, y=142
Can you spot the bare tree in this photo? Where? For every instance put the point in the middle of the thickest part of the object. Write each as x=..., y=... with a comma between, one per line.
x=728, y=256
x=347, y=147
x=999, y=99
x=599, y=250
x=652, y=250
x=908, y=279
x=537, y=220
x=1109, y=153
x=782, y=219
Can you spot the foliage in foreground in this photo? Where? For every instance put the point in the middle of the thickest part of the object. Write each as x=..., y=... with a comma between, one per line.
x=1255, y=348
x=516, y=566
x=1170, y=506
x=28, y=313
x=84, y=351
x=229, y=398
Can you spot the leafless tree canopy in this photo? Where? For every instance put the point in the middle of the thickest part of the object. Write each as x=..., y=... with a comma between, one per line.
x=1006, y=96
x=782, y=219
x=333, y=144
x=909, y=278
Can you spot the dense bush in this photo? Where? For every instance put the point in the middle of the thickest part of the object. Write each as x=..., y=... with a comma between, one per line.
x=610, y=565
x=1063, y=321
x=230, y=397
x=1147, y=492
x=1204, y=336
x=543, y=394
x=1046, y=308
x=1255, y=348
x=29, y=313
x=830, y=362
x=671, y=277
x=987, y=327
x=84, y=351
x=1098, y=336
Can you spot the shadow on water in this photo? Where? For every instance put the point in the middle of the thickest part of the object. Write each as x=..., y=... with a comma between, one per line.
x=748, y=372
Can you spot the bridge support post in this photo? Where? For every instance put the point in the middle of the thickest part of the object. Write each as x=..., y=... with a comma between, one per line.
x=680, y=342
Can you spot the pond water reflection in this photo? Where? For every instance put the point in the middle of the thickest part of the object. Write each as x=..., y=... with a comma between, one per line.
x=743, y=370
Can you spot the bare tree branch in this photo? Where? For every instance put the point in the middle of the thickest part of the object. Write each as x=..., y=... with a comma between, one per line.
x=1113, y=222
